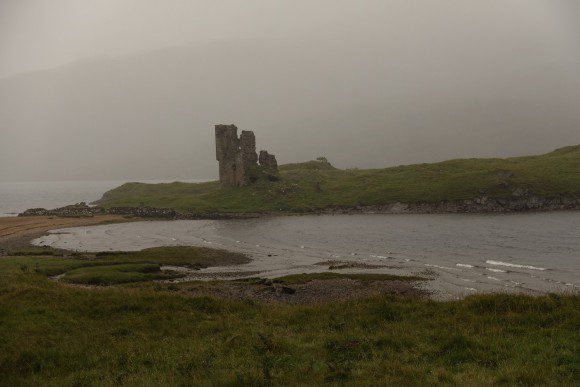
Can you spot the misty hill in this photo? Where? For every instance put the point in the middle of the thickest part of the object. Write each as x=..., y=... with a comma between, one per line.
x=149, y=115
x=318, y=185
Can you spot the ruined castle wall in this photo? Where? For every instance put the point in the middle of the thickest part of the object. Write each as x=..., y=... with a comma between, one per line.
x=248, y=149
x=231, y=167
x=237, y=157
x=268, y=163
x=226, y=141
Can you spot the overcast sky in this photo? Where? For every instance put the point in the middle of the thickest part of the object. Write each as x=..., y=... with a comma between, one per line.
x=130, y=89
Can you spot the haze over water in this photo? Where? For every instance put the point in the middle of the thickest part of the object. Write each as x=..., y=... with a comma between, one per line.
x=118, y=89
x=16, y=197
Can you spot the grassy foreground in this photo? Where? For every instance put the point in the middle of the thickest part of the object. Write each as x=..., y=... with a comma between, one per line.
x=149, y=334
x=316, y=185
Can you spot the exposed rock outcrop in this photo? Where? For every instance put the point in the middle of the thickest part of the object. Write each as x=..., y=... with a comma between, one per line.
x=482, y=204
x=79, y=209
x=82, y=209
x=478, y=205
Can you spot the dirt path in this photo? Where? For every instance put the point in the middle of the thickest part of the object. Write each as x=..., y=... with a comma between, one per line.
x=19, y=231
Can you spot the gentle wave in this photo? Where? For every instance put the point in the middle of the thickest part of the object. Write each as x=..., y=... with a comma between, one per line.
x=499, y=263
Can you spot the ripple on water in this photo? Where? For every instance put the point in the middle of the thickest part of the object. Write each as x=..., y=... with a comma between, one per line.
x=518, y=266
x=459, y=245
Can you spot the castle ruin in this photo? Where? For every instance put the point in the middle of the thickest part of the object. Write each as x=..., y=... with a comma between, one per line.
x=239, y=163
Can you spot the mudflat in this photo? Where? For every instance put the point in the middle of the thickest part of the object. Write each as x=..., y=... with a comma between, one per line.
x=463, y=254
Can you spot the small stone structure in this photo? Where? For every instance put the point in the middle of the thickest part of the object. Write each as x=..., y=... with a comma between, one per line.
x=237, y=157
x=268, y=163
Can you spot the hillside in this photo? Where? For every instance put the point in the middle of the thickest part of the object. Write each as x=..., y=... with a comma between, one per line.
x=172, y=94
x=314, y=185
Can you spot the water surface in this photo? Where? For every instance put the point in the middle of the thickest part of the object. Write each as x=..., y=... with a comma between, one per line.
x=533, y=253
x=16, y=197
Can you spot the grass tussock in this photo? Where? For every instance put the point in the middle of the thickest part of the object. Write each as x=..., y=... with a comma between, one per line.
x=52, y=334
x=113, y=268
x=116, y=274
x=316, y=185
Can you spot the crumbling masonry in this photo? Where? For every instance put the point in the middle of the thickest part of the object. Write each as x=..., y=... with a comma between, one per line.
x=237, y=157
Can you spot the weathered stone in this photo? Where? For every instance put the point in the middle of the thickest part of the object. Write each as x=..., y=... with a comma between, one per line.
x=237, y=157
x=477, y=205
x=248, y=149
x=228, y=155
x=268, y=163
x=79, y=209
x=82, y=209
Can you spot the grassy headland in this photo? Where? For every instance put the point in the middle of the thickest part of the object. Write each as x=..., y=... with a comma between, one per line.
x=155, y=334
x=317, y=185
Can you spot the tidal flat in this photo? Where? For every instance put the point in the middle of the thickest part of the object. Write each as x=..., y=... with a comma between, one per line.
x=535, y=253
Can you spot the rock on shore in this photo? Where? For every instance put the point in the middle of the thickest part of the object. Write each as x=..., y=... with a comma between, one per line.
x=483, y=204
x=83, y=209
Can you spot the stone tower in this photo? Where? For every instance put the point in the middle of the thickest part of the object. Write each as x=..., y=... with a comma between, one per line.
x=248, y=149
x=237, y=157
x=227, y=146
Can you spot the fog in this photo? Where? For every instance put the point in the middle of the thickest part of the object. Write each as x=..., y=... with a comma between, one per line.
x=119, y=89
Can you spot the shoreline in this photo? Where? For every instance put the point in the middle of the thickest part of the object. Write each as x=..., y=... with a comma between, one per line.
x=17, y=234
x=481, y=205
x=272, y=260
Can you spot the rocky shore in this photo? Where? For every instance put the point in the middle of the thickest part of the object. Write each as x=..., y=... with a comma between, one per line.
x=84, y=210
x=483, y=204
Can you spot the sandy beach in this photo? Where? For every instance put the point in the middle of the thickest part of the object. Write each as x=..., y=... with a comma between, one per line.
x=19, y=231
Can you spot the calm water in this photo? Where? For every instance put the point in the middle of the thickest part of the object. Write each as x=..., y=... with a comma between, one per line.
x=463, y=254
x=16, y=197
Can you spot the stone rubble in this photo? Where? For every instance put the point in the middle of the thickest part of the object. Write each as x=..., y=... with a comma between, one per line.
x=84, y=210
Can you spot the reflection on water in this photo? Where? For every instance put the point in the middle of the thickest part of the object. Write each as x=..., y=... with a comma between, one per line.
x=465, y=253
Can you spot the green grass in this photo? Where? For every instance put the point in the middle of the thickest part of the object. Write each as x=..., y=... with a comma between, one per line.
x=41, y=265
x=120, y=267
x=314, y=185
x=51, y=334
x=192, y=257
x=116, y=274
